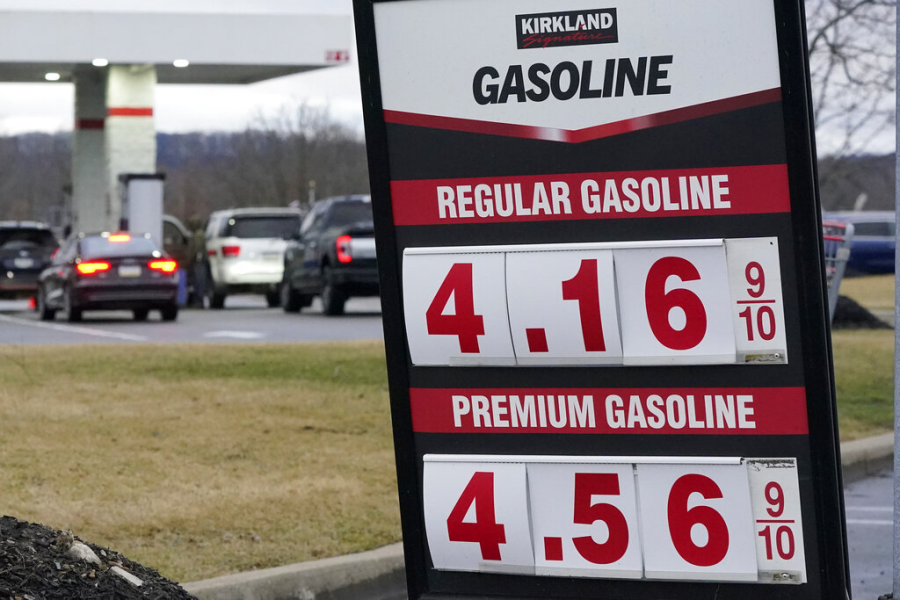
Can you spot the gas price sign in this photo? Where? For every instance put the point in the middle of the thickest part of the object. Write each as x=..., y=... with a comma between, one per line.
x=601, y=276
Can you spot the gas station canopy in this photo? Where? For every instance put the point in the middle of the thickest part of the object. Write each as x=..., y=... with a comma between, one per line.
x=235, y=48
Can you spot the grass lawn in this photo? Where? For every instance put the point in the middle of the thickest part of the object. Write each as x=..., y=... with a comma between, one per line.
x=202, y=460
x=205, y=460
x=875, y=292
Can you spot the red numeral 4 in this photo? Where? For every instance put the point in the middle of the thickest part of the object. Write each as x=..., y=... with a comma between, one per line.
x=464, y=324
x=485, y=531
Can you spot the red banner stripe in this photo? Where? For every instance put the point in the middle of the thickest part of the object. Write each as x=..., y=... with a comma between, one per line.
x=686, y=411
x=593, y=196
x=89, y=123
x=589, y=133
x=129, y=112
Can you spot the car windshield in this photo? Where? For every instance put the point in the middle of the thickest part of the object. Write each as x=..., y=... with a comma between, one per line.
x=881, y=229
x=101, y=247
x=350, y=212
x=263, y=226
x=23, y=239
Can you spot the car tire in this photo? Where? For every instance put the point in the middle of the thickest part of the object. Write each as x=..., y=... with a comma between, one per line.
x=290, y=299
x=273, y=298
x=215, y=298
x=140, y=314
x=333, y=298
x=44, y=312
x=169, y=313
x=73, y=314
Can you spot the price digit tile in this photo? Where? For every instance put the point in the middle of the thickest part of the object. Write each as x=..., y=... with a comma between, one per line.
x=584, y=520
x=562, y=307
x=455, y=309
x=476, y=517
x=754, y=279
x=678, y=308
x=775, y=496
x=696, y=522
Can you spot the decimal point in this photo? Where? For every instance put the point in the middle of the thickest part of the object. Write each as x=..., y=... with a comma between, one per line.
x=553, y=548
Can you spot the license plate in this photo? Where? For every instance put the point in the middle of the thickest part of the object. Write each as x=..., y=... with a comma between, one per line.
x=129, y=271
x=23, y=263
x=271, y=255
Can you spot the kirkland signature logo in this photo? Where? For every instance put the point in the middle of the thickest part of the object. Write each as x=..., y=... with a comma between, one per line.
x=571, y=28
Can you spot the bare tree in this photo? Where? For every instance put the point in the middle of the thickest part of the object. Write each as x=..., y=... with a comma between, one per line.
x=852, y=56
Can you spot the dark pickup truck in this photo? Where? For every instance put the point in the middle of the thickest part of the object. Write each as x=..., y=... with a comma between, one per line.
x=332, y=256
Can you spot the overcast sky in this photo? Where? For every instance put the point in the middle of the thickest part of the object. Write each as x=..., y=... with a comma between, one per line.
x=49, y=106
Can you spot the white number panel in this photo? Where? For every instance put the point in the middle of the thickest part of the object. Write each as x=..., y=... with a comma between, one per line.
x=632, y=303
x=775, y=497
x=584, y=520
x=664, y=518
x=476, y=517
x=705, y=511
x=455, y=309
x=754, y=278
x=576, y=293
x=680, y=309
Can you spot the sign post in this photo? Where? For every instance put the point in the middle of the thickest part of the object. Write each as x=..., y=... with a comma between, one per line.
x=600, y=253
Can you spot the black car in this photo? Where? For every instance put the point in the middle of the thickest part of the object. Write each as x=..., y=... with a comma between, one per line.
x=109, y=271
x=332, y=256
x=25, y=250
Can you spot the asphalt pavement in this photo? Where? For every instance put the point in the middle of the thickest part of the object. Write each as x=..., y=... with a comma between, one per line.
x=244, y=319
x=870, y=535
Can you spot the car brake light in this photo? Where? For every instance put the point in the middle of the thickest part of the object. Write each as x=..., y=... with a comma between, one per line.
x=166, y=266
x=343, y=249
x=90, y=268
x=231, y=251
x=119, y=237
x=54, y=253
x=211, y=252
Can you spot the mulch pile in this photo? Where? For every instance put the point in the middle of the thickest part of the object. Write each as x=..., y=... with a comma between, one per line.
x=849, y=314
x=35, y=565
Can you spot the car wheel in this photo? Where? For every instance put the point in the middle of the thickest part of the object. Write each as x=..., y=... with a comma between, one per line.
x=45, y=313
x=215, y=298
x=290, y=299
x=333, y=299
x=73, y=314
x=140, y=314
x=273, y=298
x=169, y=313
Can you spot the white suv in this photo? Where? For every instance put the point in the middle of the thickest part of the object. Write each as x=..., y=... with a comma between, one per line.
x=245, y=252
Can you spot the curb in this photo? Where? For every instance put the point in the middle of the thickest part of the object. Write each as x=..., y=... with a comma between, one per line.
x=380, y=574
x=373, y=575
x=861, y=458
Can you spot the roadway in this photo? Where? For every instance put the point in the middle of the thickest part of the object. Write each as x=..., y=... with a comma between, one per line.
x=244, y=319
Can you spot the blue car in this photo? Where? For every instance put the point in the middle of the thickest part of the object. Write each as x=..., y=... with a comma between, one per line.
x=873, y=243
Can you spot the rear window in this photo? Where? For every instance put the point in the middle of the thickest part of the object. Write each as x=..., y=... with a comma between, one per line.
x=100, y=247
x=350, y=212
x=22, y=239
x=264, y=226
x=881, y=229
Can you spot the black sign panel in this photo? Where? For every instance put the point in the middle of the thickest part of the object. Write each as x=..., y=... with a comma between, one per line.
x=600, y=251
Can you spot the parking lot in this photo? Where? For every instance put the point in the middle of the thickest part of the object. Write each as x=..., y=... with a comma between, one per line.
x=244, y=319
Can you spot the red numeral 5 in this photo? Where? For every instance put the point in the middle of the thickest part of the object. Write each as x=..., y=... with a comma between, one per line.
x=588, y=485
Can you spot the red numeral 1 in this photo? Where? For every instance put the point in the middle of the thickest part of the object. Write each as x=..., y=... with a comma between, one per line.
x=682, y=519
x=465, y=324
x=485, y=531
x=586, y=513
x=584, y=288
